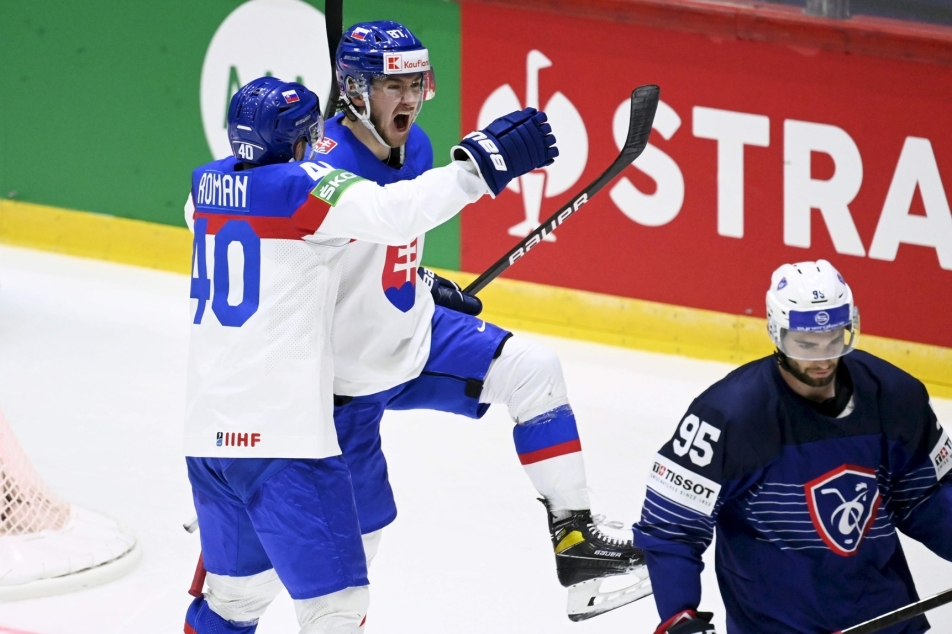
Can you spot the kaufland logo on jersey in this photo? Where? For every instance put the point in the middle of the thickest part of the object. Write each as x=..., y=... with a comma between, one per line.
x=843, y=504
x=399, y=275
x=408, y=62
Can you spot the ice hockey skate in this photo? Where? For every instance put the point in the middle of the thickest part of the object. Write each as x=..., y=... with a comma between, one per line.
x=600, y=572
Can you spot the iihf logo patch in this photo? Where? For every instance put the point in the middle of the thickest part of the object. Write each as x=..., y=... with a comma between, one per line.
x=843, y=504
x=399, y=276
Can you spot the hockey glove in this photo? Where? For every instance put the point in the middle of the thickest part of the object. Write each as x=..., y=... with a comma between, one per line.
x=509, y=147
x=448, y=294
x=688, y=622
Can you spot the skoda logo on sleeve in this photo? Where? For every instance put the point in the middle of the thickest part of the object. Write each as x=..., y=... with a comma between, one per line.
x=843, y=505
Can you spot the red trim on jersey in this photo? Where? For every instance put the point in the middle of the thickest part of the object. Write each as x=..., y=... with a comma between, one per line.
x=305, y=220
x=551, y=452
x=189, y=629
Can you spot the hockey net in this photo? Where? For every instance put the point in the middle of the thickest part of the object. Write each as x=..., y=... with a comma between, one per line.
x=47, y=545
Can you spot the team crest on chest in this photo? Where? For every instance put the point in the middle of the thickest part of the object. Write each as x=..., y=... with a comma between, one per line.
x=843, y=504
x=399, y=275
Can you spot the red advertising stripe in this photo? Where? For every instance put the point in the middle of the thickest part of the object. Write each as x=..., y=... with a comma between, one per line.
x=554, y=451
x=762, y=153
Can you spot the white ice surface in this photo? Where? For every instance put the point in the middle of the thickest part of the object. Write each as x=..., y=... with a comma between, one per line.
x=92, y=365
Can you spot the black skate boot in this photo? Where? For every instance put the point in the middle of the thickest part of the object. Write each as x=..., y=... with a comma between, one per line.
x=585, y=557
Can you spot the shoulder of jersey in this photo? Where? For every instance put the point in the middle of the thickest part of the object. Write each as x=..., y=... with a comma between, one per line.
x=745, y=395
x=895, y=386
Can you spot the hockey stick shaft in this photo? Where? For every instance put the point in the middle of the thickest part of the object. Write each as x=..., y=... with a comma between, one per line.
x=900, y=615
x=334, y=26
x=644, y=102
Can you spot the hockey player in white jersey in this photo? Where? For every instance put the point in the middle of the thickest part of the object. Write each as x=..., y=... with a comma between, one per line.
x=393, y=349
x=273, y=494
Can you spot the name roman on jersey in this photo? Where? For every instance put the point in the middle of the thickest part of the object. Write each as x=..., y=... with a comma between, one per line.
x=942, y=456
x=682, y=486
x=223, y=191
x=542, y=231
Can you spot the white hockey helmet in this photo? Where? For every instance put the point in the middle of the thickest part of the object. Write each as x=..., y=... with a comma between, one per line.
x=810, y=312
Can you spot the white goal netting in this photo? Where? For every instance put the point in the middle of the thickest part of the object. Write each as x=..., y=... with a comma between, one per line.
x=47, y=545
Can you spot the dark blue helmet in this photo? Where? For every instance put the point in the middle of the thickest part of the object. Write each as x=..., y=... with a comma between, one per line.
x=369, y=50
x=266, y=118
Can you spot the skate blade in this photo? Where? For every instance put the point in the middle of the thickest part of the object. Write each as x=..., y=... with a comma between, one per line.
x=594, y=597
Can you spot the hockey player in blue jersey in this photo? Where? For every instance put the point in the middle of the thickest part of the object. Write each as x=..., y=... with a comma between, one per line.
x=806, y=464
x=274, y=496
x=394, y=349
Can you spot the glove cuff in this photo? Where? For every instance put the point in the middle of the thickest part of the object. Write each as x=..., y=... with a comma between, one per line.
x=461, y=153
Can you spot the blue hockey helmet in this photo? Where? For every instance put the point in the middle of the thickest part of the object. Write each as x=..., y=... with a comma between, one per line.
x=266, y=118
x=810, y=312
x=378, y=50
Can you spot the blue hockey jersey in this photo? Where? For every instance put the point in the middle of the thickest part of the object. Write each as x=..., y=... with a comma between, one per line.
x=805, y=506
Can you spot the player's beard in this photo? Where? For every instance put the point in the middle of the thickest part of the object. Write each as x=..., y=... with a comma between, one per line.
x=392, y=140
x=792, y=367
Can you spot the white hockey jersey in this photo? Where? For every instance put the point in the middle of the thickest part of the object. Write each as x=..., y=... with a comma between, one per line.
x=265, y=272
x=382, y=324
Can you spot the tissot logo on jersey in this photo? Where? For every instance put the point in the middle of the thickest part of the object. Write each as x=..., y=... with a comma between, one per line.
x=682, y=486
x=237, y=439
x=941, y=456
x=843, y=503
x=223, y=191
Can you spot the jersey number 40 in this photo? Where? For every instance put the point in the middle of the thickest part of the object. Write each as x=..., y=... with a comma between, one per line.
x=217, y=289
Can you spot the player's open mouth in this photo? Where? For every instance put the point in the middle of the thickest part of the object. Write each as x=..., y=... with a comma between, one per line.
x=401, y=122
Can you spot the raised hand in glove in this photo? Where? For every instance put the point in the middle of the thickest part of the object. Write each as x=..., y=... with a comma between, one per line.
x=509, y=147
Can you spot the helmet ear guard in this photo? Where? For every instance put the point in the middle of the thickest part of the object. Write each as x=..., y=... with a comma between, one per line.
x=810, y=312
x=267, y=117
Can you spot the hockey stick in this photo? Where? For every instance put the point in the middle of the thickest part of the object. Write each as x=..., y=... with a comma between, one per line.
x=900, y=615
x=334, y=26
x=644, y=102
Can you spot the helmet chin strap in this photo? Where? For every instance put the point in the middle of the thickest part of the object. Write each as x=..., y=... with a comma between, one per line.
x=364, y=117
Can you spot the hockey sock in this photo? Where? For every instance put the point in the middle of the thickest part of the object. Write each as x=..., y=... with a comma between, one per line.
x=551, y=452
x=199, y=619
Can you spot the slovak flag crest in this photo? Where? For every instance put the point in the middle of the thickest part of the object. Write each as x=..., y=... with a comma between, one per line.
x=843, y=504
x=399, y=275
x=290, y=96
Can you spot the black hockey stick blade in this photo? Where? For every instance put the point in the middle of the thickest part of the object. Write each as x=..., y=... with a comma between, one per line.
x=644, y=103
x=334, y=26
x=900, y=615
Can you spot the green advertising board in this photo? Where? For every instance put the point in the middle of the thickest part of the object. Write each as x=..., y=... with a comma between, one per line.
x=107, y=106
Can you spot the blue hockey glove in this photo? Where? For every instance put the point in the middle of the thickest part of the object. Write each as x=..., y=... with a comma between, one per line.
x=509, y=147
x=448, y=294
x=688, y=622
